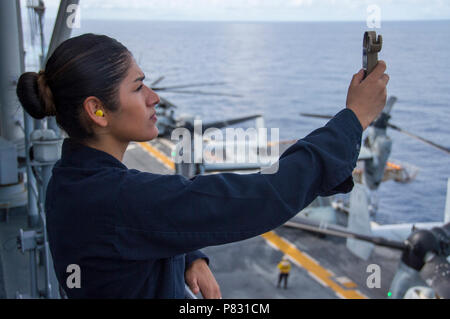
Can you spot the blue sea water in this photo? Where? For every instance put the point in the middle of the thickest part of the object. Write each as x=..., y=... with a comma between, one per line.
x=282, y=69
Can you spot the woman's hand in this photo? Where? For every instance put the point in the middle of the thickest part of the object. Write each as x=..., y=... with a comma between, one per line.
x=367, y=98
x=200, y=278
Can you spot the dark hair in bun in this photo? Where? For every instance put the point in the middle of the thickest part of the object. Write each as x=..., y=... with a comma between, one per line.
x=83, y=66
x=35, y=96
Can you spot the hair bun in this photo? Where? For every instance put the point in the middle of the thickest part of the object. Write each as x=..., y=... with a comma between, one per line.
x=46, y=95
x=35, y=95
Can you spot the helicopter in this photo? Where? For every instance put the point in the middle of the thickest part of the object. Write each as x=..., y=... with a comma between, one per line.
x=165, y=110
x=373, y=167
x=377, y=146
x=168, y=123
x=425, y=247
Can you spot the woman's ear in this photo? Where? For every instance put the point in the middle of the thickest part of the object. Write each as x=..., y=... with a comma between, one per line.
x=95, y=110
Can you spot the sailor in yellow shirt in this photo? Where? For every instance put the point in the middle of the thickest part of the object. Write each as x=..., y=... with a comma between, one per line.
x=285, y=268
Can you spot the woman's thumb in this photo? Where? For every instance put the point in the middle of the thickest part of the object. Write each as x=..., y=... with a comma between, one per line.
x=193, y=285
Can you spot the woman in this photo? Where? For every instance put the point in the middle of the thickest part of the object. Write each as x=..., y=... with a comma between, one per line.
x=135, y=234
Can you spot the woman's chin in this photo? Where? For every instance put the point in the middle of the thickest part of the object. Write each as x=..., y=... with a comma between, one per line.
x=153, y=133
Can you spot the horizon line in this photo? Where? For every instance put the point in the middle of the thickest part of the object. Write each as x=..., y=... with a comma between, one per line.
x=275, y=21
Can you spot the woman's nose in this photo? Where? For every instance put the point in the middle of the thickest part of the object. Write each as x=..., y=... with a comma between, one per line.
x=153, y=98
x=157, y=98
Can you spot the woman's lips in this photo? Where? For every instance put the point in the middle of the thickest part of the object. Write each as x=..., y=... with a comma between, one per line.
x=154, y=118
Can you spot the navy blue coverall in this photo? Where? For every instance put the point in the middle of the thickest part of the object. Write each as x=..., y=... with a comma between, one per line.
x=133, y=233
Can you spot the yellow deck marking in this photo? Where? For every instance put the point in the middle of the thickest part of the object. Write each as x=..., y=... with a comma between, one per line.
x=158, y=154
x=345, y=282
x=350, y=284
x=315, y=270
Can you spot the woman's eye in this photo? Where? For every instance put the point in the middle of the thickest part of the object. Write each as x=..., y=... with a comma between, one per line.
x=139, y=88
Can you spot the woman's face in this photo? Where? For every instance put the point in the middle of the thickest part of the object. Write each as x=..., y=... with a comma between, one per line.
x=136, y=118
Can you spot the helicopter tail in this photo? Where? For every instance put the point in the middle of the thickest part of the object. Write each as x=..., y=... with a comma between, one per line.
x=359, y=222
x=402, y=231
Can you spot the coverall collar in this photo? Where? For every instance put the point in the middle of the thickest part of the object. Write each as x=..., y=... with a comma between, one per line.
x=77, y=154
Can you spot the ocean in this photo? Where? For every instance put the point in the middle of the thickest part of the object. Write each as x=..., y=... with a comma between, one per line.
x=282, y=69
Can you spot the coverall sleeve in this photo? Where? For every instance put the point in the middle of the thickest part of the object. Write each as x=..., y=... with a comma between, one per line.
x=166, y=215
x=192, y=256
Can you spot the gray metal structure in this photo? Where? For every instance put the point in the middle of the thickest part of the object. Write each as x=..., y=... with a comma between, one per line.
x=24, y=179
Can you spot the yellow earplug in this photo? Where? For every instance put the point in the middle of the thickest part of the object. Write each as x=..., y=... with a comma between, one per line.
x=99, y=113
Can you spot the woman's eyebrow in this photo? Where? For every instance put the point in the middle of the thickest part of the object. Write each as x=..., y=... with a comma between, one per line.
x=141, y=78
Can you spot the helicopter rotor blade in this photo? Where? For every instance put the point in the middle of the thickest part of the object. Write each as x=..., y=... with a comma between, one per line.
x=221, y=124
x=186, y=86
x=442, y=148
x=157, y=81
x=436, y=273
x=381, y=121
x=389, y=104
x=387, y=109
x=167, y=102
x=334, y=230
x=321, y=116
x=201, y=93
x=218, y=124
x=395, y=127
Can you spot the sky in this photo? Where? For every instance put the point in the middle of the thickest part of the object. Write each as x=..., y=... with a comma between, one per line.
x=259, y=10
